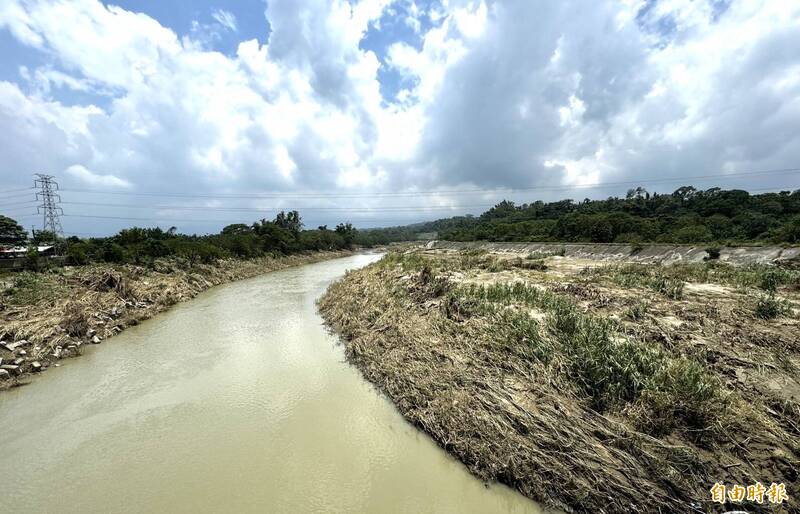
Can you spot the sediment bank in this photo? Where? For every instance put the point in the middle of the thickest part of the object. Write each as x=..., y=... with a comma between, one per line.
x=648, y=253
x=49, y=316
x=588, y=386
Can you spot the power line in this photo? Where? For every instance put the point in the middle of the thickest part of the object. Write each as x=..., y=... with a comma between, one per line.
x=301, y=208
x=24, y=215
x=395, y=222
x=175, y=220
x=4, y=191
x=448, y=192
x=12, y=197
x=18, y=203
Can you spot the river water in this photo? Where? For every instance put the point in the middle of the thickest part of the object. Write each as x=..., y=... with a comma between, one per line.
x=237, y=401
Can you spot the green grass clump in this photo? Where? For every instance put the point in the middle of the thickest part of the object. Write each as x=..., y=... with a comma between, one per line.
x=636, y=312
x=762, y=276
x=657, y=278
x=564, y=318
x=659, y=391
x=680, y=395
x=521, y=333
x=407, y=261
x=30, y=287
x=611, y=369
x=616, y=371
x=530, y=264
x=669, y=287
x=770, y=307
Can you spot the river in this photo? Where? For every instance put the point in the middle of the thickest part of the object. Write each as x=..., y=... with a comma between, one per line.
x=236, y=401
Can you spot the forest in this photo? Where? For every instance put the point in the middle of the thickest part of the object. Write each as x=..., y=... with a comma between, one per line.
x=686, y=216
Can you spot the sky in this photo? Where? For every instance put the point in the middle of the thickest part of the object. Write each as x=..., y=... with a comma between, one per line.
x=201, y=113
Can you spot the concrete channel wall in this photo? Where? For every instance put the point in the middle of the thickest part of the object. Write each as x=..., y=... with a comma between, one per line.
x=742, y=255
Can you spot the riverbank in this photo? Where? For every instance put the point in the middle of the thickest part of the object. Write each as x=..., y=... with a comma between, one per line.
x=784, y=256
x=587, y=386
x=49, y=316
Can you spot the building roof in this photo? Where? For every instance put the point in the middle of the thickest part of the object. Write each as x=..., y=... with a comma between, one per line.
x=23, y=249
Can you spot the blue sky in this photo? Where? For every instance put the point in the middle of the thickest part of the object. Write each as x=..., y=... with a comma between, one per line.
x=181, y=15
x=336, y=106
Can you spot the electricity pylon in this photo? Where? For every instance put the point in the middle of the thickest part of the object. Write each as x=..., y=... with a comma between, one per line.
x=49, y=208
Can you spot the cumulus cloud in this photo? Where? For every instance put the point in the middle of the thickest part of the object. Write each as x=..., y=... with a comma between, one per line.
x=496, y=94
x=94, y=179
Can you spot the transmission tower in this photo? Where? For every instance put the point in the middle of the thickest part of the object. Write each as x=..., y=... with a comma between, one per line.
x=49, y=208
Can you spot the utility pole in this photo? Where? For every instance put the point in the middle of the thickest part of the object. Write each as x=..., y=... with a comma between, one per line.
x=49, y=208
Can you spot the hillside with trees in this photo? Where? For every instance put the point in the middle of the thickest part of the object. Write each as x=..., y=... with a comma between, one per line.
x=687, y=215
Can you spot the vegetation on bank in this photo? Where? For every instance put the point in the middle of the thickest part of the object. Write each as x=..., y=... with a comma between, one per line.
x=51, y=315
x=609, y=389
x=687, y=215
x=284, y=235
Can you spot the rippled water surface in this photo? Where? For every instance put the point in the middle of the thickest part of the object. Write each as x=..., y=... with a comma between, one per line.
x=237, y=401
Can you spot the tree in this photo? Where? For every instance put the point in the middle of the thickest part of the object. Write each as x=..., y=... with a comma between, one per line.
x=236, y=229
x=290, y=221
x=11, y=232
x=347, y=232
x=43, y=236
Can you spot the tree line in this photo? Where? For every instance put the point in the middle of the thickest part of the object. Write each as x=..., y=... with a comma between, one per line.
x=686, y=216
x=283, y=235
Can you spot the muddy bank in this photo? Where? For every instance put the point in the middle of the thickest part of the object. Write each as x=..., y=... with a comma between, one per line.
x=46, y=317
x=608, y=389
x=645, y=253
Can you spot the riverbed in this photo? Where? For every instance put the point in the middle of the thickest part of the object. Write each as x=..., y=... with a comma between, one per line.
x=236, y=401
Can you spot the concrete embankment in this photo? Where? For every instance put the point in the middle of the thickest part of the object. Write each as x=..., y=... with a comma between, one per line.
x=651, y=253
x=49, y=316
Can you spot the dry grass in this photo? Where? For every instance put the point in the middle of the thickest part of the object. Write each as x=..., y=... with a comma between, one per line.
x=574, y=391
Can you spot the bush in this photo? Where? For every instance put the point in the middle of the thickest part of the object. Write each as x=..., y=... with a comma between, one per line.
x=671, y=288
x=713, y=254
x=520, y=334
x=32, y=260
x=564, y=318
x=77, y=254
x=769, y=280
x=112, y=252
x=609, y=369
x=636, y=312
x=769, y=307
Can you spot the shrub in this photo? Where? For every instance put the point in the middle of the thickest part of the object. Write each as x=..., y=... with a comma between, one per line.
x=636, y=312
x=520, y=334
x=671, y=288
x=769, y=279
x=713, y=254
x=564, y=318
x=32, y=260
x=609, y=369
x=769, y=307
x=77, y=254
x=112, y=252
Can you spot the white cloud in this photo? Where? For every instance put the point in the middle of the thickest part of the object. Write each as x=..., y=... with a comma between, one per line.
x=497, y=94
x=225, y=18
x=94, y=179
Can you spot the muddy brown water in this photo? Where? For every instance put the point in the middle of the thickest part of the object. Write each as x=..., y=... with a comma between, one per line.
x=237, y=401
